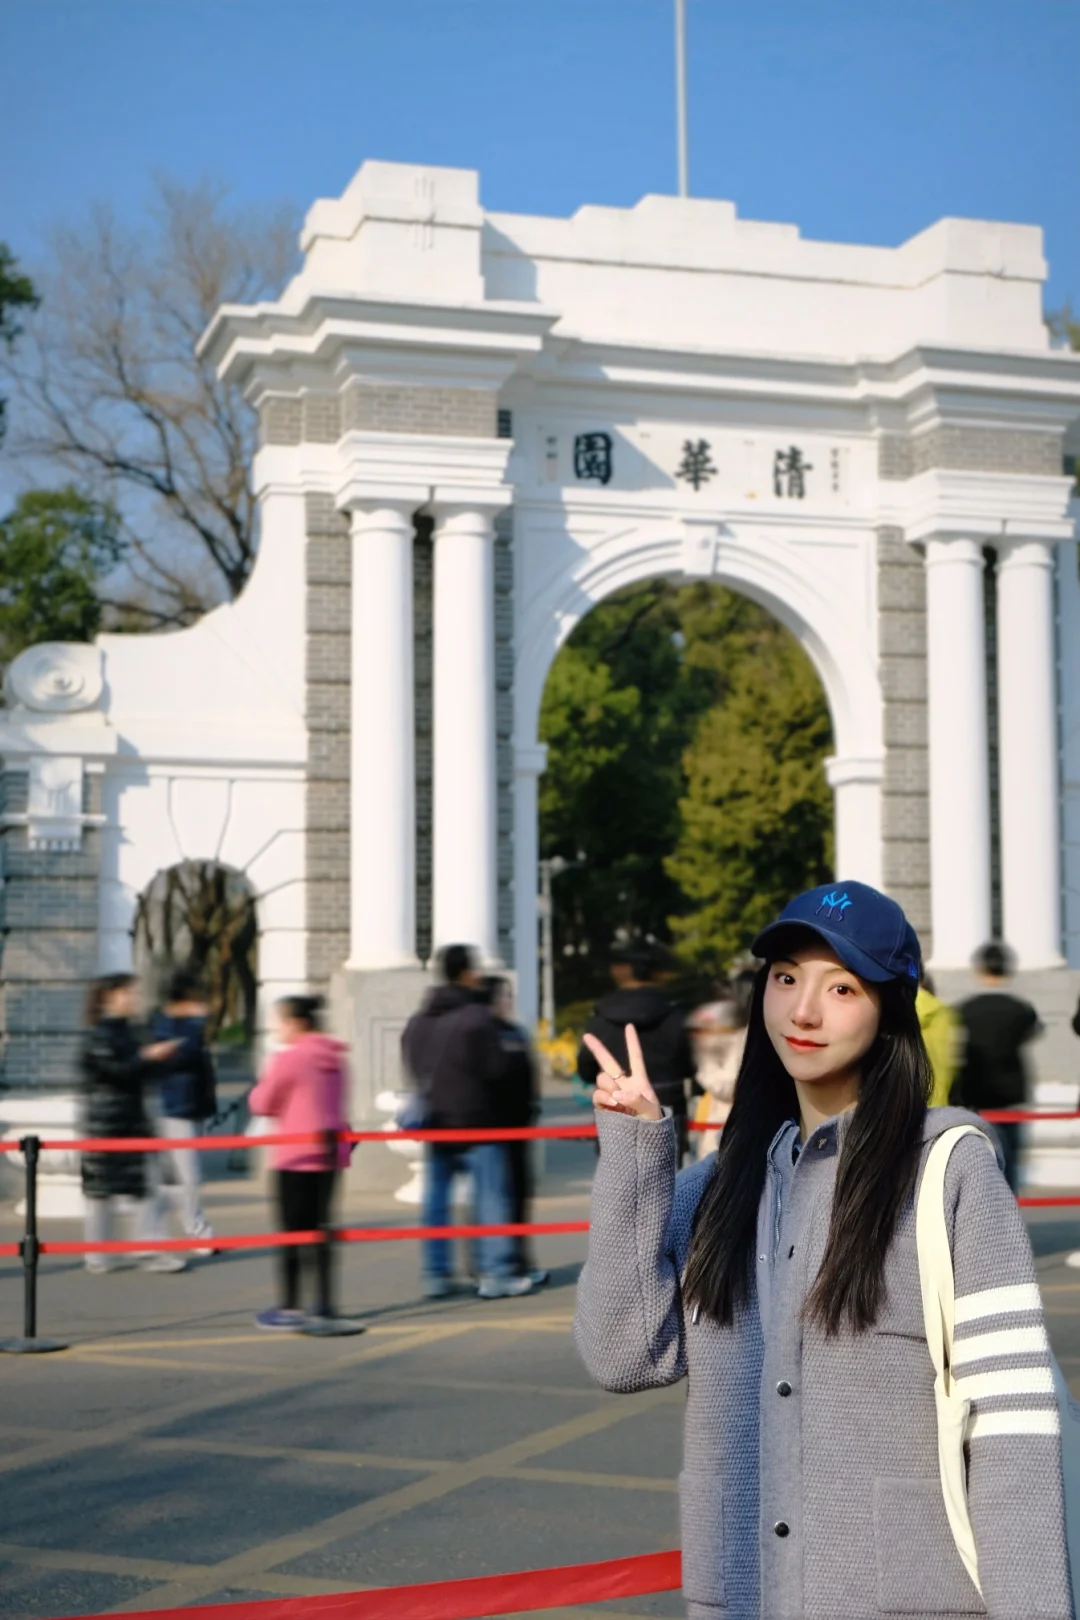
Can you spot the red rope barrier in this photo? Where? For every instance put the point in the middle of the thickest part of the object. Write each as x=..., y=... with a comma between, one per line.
x=275, y=1240
x=521, y=1593
x=508, y=1133
x=159, y=1144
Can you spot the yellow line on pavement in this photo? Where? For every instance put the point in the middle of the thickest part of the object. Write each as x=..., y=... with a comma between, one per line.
x=312, y=1454
x=574, y=1476
x=161, y=1569
x=246, y=1568
x=268, y=1381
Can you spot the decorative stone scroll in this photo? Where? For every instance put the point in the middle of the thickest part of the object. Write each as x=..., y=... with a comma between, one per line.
x=56, y=677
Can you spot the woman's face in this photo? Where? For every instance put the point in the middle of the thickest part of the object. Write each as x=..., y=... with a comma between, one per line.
x=122, y=1003
x=285, y=1030
x=821, y=1018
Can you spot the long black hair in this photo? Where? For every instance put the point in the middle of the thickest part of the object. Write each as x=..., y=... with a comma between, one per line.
x=879, y=1160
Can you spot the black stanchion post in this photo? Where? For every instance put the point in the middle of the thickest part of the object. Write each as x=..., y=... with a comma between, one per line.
x=30, y=1249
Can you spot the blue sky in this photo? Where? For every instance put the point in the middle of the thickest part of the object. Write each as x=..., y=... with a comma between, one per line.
x=858, y=120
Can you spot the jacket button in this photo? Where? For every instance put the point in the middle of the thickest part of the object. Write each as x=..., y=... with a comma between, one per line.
x=781, y=1529
x=783, y=1387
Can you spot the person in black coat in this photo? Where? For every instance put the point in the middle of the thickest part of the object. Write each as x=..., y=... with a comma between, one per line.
x=116, y=1068
x=516, y=1103
x=996, y=1027
x=661, y=1027
x=452, y=1050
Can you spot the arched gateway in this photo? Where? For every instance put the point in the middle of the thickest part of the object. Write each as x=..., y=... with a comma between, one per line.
x=474, y=427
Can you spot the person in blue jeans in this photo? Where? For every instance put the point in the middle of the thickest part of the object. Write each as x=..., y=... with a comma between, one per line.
x=453, y=1051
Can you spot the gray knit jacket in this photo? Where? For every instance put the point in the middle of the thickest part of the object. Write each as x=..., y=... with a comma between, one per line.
x=811, y=1488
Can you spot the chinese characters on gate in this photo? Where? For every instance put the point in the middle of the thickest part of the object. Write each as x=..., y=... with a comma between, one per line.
x=594, y=463
x=695, y=466
x=592, y=457
x=789, y=473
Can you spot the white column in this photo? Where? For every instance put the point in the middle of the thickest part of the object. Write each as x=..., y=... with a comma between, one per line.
x=856, y=785
x=1028, y=776
x=959, y=766
x=382, y=839
x=464, y=807
x=529, y=764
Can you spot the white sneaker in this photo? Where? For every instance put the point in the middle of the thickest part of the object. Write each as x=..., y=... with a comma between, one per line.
x=505, y=1287
x=99, y=1264
x=166, y=1261
x=1073, y=1259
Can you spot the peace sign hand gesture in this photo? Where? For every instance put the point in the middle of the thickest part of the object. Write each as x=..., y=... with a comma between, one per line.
x=620, y=1092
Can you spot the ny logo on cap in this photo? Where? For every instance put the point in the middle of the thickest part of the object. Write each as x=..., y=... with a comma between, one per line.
x=833, y=906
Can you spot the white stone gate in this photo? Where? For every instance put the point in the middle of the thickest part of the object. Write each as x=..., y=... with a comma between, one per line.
x=476, y=426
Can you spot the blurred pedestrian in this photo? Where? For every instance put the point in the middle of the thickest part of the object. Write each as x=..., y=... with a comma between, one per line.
x=718, y=1032
x=187, y=1097
x=453, y=1051
x=941, y=1036
x=661, y=1028
x=996, y=1028
x=116, y=1068
x=517, y=1104
x=303, y=1089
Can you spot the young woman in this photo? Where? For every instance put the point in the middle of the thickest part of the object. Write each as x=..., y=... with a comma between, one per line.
x=303, y=1090
x=781, y=1276
x=116, y=1068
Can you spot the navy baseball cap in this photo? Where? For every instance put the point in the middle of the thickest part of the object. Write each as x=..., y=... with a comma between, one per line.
x=867, y=930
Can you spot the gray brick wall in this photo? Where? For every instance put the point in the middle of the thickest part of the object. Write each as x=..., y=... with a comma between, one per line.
x=322, y=418
x=969, y=449
x=281, y=421
x=905, y=801
x=467, y=413
x=329, y=578
x=48, y=945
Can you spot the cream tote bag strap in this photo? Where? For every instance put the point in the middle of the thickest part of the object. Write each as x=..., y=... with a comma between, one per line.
x=939, y=1316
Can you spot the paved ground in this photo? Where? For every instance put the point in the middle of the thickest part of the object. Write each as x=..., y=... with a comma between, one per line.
x=174, y=1455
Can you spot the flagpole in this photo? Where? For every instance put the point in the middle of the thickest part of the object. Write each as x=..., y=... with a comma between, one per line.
x=680, y=96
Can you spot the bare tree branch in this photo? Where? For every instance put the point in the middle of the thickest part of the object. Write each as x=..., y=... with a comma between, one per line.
x=113, y=394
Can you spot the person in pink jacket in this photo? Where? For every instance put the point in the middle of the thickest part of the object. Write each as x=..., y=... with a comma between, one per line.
x=303, y=1089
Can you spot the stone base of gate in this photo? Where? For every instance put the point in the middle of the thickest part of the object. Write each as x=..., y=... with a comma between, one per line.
x=47, y=1114
x=369, y=1012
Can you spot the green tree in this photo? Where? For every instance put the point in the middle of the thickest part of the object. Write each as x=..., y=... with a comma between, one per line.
x=685, y=731
x=55, y=548
x=757, y=813
x=618, y=712
x=16, y=295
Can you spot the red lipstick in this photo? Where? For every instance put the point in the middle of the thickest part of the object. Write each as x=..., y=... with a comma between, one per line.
x=805, y=1046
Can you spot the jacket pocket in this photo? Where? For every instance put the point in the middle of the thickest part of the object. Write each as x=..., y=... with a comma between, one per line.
x=919, y=1570
x=701, y=1519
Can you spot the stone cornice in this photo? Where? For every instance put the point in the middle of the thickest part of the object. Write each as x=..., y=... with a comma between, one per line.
x=337, y=336
x=422, y=468
x=981, y=506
